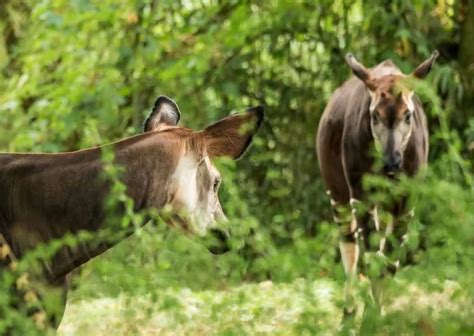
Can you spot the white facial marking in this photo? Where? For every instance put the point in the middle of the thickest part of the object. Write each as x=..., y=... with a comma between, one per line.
x=195, y=195
x=186, y=195
x=406, y=139
x=374, y=100
x=211, y=202
x=408, y=99
x=401, y=131
x=184, y=178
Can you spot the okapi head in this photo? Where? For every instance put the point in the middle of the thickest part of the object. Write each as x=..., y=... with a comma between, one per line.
x=193, y=193
x=392, y=105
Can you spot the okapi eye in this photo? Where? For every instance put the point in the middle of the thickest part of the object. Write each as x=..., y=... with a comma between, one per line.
x=408, y=118
x=217, y=182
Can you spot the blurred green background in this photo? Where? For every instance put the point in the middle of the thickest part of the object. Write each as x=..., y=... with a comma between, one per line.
x=80, y=73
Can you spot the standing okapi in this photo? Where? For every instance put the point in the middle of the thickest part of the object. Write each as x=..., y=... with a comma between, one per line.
x=376, y=108
x=46, y=196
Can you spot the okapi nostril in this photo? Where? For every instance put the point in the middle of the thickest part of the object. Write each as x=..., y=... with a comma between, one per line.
x=391, y=168
x=219, y=243
x=392, y=163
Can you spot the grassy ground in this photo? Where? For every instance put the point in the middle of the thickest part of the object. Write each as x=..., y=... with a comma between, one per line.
x=263, y=308
x=150, y=285
x=300, y=307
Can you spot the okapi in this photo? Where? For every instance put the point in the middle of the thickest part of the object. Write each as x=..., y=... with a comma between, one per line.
x=376, y=108
x=46, y=196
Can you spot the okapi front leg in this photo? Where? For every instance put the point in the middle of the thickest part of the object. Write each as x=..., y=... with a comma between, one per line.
x=391, y=247
x=350, y=256
x=396, y=242
x=349, y=249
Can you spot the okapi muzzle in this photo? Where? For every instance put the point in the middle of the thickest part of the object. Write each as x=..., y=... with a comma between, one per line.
x=392, y=157
x=220, y=243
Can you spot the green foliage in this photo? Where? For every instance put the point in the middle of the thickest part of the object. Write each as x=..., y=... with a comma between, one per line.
x=76, y=74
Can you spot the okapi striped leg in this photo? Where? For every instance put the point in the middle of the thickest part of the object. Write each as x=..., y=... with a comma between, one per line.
x=378, y=227
x=393, y=229
x=396, y=229
x=400, y=232
x=350, y=257
x=349, y=248
x=23, y=296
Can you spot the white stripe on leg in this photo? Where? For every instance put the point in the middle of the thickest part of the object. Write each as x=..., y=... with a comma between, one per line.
x=388, y=232
x=375, y=218
x=350, y=256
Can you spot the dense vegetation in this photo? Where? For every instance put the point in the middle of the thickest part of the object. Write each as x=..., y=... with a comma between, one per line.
x=76, y=74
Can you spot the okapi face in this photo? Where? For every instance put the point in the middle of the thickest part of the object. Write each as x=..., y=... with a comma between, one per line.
x=193, y=191
x=391, y=109
x=391, y=124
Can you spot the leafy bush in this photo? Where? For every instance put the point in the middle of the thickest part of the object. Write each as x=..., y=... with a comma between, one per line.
x=76, y=74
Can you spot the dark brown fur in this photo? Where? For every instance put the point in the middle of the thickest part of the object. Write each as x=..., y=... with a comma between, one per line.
x=45, y=196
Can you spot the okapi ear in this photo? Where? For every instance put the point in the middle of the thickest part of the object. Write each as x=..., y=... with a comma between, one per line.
x=165, y=112
x=231, y=136
x=359, y=70
x=424, y=68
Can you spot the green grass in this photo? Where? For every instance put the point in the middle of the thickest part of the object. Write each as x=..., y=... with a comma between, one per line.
x=106, y=304
x=261, y=308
